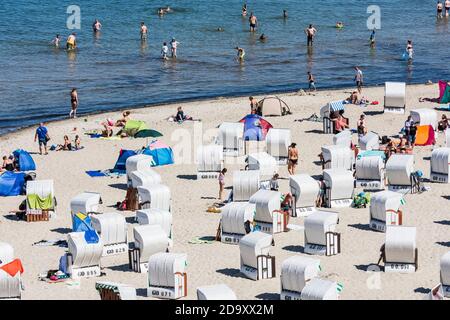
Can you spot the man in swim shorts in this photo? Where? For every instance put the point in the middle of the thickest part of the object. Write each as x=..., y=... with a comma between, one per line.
x=71, y=42
x=144, y=31
x=439, y=8
x=42, y=136
x=310, y=34
x=164, y=51
x=359, y=79
x=253, y=21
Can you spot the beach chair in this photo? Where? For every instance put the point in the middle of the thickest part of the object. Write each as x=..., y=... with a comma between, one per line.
x=400, y=250
x=209, y=161
x=296, y=273
x=370, y=141
x=385, y=210
x=231, y=137
x=399, y=168
x=167, y=278
x=40, y=200
x=319, y=289
x=112, y=229
x=10, y=284
x=321, y=237
x=305, y=191
x=268, y=215
x=440, y=165
x=277, y=144
x=395, y=97
x=245, y=184
x=337, y=157
x=148, y=240
x=256, y=263
x=329, y=126
x=140, y=162
x=370, y=173
x=215, y=292
x=339, y=188
x=115, y=291
x=445, y=274
x=156, y=217
x=144, y=177
x=343, y=138
x=264, y=163
x=155, y=196
x=83, y=259
x=425, y=117
x=236, y=221
x=85, y=203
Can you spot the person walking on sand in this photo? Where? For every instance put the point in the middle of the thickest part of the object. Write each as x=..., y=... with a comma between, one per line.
x=96, y=26
x=310, y=34
x=240, y=54
x=311, y=82
x=165, y=51
x=42, y=137
x=144, y=31
x=292, y=158
x=253, y=21
x=359, y=79
x=439, y=9
x=174, y=45
x=74, y=103
x=222, y=183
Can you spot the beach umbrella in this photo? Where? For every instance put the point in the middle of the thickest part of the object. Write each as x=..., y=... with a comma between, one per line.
x=148, y=133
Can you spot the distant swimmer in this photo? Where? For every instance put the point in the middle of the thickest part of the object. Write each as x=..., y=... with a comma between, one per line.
x=96, y=26
x=174, y=45
x=263, y=38
x=372, y=38
x=339, y=25
x=144, y=31
x=73, y=103
x=285, y=15
x=220, y=29
x=161, y=11
x=409, y=49
x=310, y=34
x=56, y=41
x=71, y=43
x=447, y=7
x=253, y=21
x=439, y=8
x=165, y=51
x=240, y=53
x=244, y=10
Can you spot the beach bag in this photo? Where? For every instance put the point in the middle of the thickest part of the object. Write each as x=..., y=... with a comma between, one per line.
x=63, y=263
x=91, y=236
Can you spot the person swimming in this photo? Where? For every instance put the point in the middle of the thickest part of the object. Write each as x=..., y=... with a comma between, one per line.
x=96, y=26
x=339, y=25
x=56, y=41
x=372, y=38
x=220, y=29
x=263, y=38
x=285, y=15
x=71, y=43
x=244, y=10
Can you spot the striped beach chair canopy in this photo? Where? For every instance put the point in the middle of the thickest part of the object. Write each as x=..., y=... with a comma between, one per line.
x=336, y=105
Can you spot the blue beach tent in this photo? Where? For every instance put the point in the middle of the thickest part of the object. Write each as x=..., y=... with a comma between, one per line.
x=161, y=153
x=24, y=160
x=121, y=161
x=12, y=184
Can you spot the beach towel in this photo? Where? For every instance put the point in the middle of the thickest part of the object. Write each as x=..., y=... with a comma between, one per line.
x=444, y=92
x=96, y=174
x=443, y=107
x=36, y=202
x=13, y=267
x=425, y=136
x=371, y=153
x=198, y=240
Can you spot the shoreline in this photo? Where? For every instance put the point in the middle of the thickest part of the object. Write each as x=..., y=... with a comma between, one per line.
x=8, y=134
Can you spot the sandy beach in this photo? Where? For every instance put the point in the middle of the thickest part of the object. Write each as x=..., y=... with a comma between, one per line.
x=216, y=262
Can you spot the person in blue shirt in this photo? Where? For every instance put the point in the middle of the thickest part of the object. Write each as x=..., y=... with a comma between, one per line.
x=42, y=136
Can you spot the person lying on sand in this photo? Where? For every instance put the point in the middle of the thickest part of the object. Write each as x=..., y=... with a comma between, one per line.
x=123, y=121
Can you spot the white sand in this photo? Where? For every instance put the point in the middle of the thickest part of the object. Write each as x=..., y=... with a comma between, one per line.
x=219, y=263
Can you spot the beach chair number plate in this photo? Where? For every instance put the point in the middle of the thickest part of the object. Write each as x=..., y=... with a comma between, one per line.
x=115, y=249
x=86, y=272
x=399, y=267
x=439, y=178
x=230, y=239
x=378, y=226
x=341, y=203
x=394, y=110
x=160, y=293
x=289, y=295
x=401, y=189
x=370, y=184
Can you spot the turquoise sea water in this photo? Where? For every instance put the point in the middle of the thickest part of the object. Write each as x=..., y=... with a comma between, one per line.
x=115, y=70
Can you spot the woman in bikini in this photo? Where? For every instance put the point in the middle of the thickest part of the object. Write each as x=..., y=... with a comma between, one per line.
x=73, y=103
x=222, y=183
x=292, y=158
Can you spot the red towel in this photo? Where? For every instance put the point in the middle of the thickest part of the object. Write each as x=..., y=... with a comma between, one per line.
x=13, y=267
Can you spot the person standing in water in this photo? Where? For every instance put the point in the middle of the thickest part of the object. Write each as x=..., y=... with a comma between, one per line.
x=253, y=21
x=56, y=41
x=240, y=54
x=244, y=10
x=144, y=31
x=311, y=82
x=165, y=51
x=96, y=26
x=285, y=15
x=409, y=49
x=372, y=39
x=73, y=103
x=439, y=9
x=447, y=7
x=310, y=34
x=174, y=44
x=359, y=79
x=71, y=42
